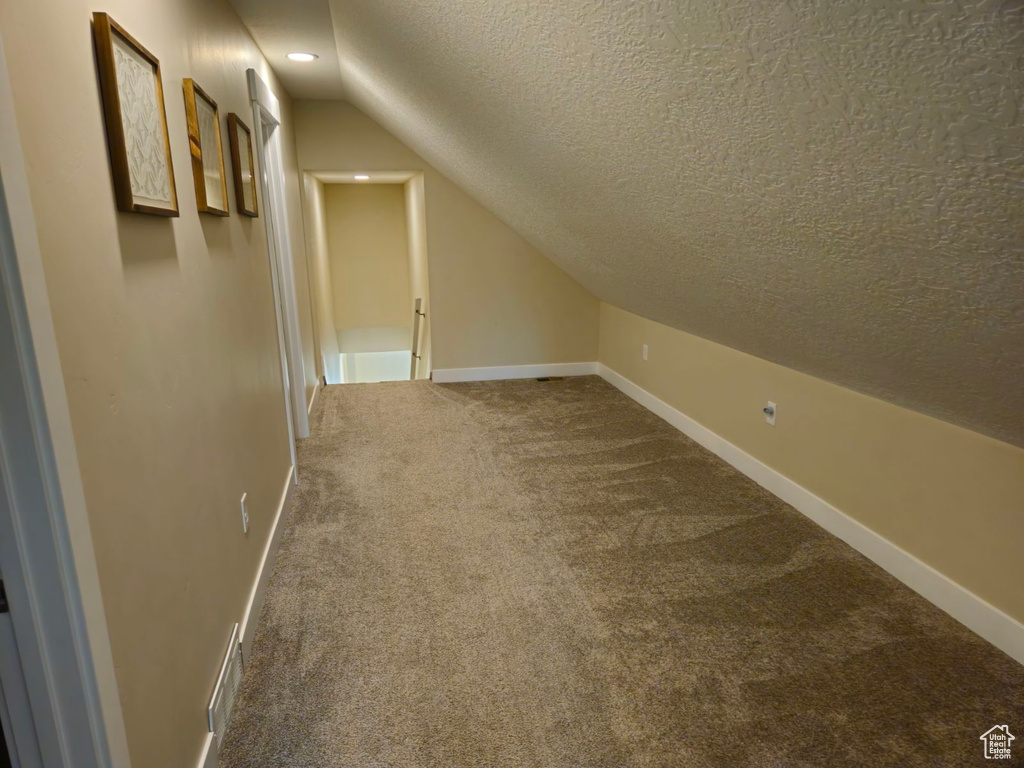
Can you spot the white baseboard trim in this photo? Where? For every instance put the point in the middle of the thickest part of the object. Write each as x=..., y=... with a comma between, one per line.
x=452, y=375
x=1003, y=631
x=259, y=587
x=208, y=757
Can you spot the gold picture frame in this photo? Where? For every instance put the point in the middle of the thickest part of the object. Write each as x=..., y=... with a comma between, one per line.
x=243, y=166
x=204, y=138
x=135, y=120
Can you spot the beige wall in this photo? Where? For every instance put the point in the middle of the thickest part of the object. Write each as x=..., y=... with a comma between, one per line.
x=495, y=300
x=321, y=279
x=951, y=497
x=168, y=345
x=369, y=254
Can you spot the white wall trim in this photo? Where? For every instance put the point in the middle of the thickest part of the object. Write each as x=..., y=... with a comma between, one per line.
x=260, y=92
x=247, y=629
x=269, y=153
x=209, y=756
x=452, y=375
x=312, y=400
x=1003, y=631
x=259, y=587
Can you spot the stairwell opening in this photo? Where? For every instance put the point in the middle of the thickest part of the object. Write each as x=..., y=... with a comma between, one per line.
x=368, y=245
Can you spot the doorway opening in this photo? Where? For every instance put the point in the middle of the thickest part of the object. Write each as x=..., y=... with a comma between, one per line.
x=368, y=246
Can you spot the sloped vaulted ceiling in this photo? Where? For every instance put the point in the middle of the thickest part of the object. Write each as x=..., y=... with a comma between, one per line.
x=836, y=187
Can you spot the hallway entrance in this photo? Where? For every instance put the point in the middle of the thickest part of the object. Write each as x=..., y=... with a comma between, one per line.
x=369, y=252
x=372, y=277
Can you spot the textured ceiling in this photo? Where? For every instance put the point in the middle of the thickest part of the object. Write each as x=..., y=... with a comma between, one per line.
x=836, y=187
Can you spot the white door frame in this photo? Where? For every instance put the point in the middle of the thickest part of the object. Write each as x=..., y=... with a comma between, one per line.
x=22, y=743
x=56, y=612
x=267, y=118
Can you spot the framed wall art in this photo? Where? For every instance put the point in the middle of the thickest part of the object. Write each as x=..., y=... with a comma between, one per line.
x=133, y=111
x=204, y=140
x=243, y=165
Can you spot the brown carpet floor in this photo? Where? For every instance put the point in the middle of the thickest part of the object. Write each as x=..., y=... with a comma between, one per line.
x=545, y=574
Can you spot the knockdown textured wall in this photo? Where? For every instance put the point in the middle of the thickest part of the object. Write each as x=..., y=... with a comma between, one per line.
x=168, y=344
x=948, y=496
x=495, y=299
x=832, y=186
x=369, y=252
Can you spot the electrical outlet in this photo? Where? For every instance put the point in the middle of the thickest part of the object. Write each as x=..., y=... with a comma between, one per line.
x=245, y=514
x=643, y=352
x=770, y=411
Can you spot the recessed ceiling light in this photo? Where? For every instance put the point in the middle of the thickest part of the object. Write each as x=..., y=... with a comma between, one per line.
x=303, y=56
x=361, y=177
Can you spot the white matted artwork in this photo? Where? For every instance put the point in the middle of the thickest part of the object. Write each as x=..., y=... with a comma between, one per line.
x=207, y=149
x=133, y=107
x=143, y=133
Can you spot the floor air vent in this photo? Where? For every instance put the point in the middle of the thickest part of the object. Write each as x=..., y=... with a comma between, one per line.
x=224, y=692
